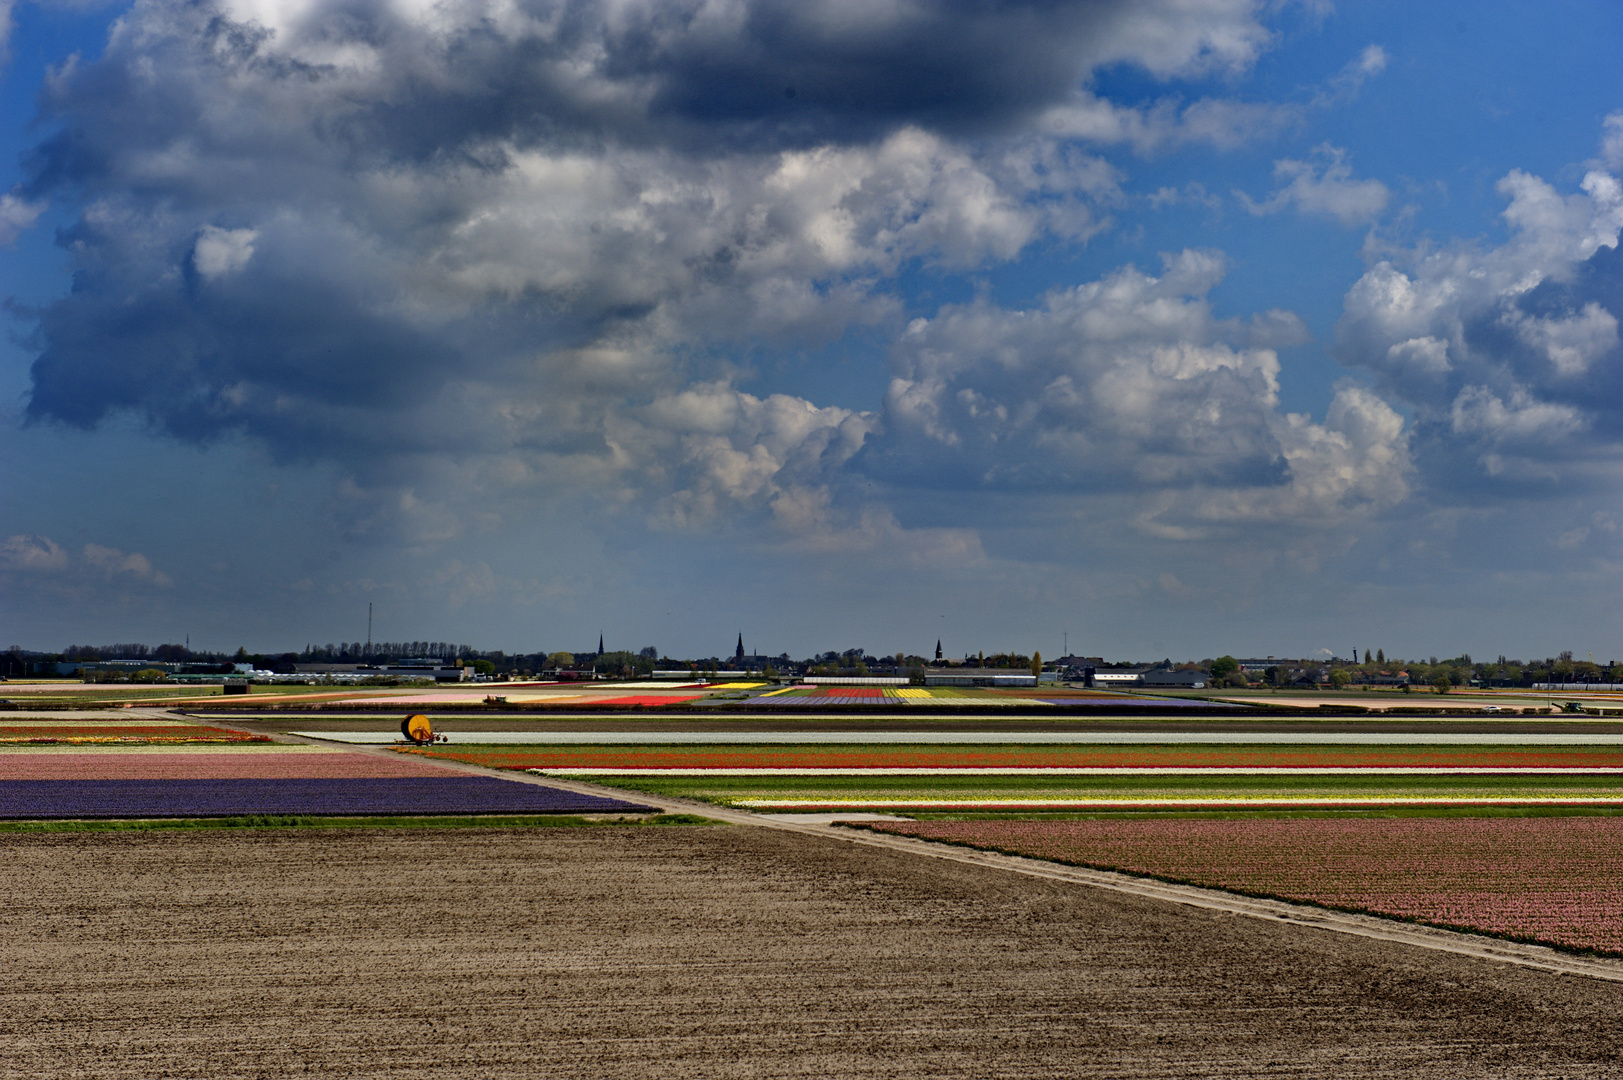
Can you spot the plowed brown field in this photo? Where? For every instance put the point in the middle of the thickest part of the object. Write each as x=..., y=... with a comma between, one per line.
x=706, y=952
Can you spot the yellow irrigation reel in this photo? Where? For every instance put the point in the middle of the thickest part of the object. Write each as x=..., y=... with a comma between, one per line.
x=417, y=729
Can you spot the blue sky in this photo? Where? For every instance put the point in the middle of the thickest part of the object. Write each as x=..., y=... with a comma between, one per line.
x=1181, y=328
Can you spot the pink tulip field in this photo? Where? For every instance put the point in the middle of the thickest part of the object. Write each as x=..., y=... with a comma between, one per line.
x=1553, y=880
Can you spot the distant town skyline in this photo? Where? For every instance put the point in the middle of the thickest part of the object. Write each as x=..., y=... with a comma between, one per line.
x=1170, y=327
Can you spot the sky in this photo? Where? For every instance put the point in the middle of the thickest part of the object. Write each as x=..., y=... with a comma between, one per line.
x=1146, y=328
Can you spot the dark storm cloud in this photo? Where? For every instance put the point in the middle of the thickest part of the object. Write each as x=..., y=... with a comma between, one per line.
x=758, y=76
x=300, y=218
x=503, y=244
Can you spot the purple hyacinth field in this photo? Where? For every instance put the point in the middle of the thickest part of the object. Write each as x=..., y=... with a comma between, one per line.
x=43, y=799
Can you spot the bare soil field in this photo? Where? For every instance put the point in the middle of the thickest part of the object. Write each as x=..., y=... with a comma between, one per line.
x=706, y=952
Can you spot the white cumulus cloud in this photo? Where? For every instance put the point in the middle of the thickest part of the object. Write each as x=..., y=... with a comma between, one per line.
x=1513, y=343
x=16, y=215
x=1324, y=185
x=219, y=252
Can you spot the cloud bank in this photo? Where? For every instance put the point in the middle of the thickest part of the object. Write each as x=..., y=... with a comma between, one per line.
x=1508, y=356
x=495, y=261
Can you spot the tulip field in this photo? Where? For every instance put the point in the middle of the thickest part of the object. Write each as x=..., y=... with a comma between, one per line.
x=888, y=757
x=272, y=761
x=119, y=731
x=836, y=696
x=163, y=768
x=212, y=797
x=907, y=776
x=1551, y=880
x=971, y=791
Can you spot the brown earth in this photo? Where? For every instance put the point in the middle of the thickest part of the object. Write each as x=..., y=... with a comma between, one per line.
x=706, y=952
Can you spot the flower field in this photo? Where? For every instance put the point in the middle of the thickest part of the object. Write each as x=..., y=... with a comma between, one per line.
x=1185, y=757
x=139, y=767
x=1553, y=880
x=978, y=791
x=645, y=699
x=137, y=731
x=285, y=762
x=81, y=798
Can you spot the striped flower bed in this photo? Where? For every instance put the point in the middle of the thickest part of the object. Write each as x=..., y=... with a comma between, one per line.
x=1083, y=806
x=292, y=763
x=968, y=790
x=1552, y=880
x=1061, y=756
x=135, y=732
x=43, y=799
x=641, y=699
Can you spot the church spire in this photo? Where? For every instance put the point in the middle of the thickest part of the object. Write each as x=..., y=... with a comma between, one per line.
x=938, y=648
x=739, y=655
x=600, y=644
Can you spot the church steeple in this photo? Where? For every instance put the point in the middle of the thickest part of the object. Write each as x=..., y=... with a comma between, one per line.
x=739, y=654
x=600, y=644
x=938, y=648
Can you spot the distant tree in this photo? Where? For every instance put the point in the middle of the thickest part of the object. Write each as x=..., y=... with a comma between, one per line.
x=1442, y=682
x=148, y=675
x=1224, y=666
x=484, y=667
x=1380, y=657
x=1036, y=665
x=1366, y=656
x=559, y=660
x=1339, y=678
x=622, y=664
